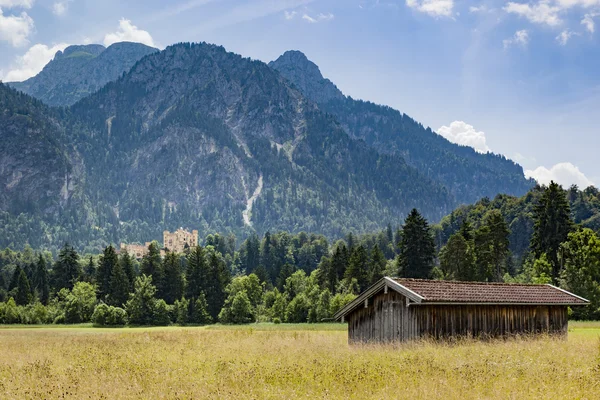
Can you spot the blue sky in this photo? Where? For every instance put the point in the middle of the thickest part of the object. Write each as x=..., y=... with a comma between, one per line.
x=517, y=78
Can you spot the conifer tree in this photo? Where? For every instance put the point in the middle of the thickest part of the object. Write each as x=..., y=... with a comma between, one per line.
x=218, y=279
x=358, y=267
x=457, y=259
x=40, y=281
x=377, y=265
x=552, y=224
x=23, y=289
x=89, y=271
x=108, y=261
x=151, y=262
x=416, y=247
x=196, y=274
x=171, y=286
x=66, y=269
x=126, y=262
x=119, y=286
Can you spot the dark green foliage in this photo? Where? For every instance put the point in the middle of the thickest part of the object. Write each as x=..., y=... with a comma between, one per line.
x=41, y=281
x=119, y=287
x=376, y=265
x=358, y=267
x=198, y=313
x=217, y=280
x=105, y=315
x=196, y=274
x=23, y=290
x=66, y=269
x=552, y=224
x=104, y=273
x=457, y=259
x=416, y=247
x=151, y=262
x=126, y=263
x=171, y=284
x=142, y=307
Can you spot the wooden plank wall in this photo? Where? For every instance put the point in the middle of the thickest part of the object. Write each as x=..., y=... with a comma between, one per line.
x=387, y=319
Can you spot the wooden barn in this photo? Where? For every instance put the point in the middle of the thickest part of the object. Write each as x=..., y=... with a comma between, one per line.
x=407, y=309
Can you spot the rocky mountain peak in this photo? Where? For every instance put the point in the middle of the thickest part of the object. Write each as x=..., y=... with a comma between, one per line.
x=298, y=69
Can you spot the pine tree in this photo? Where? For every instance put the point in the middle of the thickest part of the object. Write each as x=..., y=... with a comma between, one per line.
x=89, y=271
x=108, y=261
x=119, y=286
x=552, y=224
x=339, y=265
x=200, y=313
x=23, y=289
x=171, y=287
x=66, y=269
x=40, y=281
x=218, y=279
x=126, y=262
x=498, y=242
x=151, y=262
x=358, y=268
x=377, y=265
x=417, y=247
x=196, y=273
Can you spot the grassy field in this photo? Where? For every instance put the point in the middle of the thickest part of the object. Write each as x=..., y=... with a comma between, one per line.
x=288, y=361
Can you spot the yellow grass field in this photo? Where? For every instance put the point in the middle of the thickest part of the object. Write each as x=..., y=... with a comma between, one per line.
x=288, y=361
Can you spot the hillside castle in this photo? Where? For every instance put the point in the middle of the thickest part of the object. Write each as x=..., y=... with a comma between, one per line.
x=176, y=242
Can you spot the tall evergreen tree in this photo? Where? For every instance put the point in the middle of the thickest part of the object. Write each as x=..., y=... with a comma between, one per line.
x=498, y=242
x=552, y=224
x=218, y=279
x=126, y=262
x=66, y=269
x=23, y=289
x=416, y=247
x=377, y=265
x=196, y=273
x=119, y=286
x=41, y=281
x=151, y=262
x=89, y=271
x=108, y=261
x=171, y=287
x=358, y=267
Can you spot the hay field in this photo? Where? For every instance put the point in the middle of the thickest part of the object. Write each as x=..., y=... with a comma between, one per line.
x=288, y=361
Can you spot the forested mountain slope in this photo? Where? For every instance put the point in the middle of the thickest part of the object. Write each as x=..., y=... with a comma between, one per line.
x=190, y=136
x=80, y=70
x=468, y=175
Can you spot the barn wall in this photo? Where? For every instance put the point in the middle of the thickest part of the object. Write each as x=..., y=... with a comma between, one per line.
x=493, y=320
x=387, y=319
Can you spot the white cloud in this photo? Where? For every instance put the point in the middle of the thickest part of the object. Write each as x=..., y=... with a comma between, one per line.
x=32, y=62
x=520, y=38
x=128, y=32
x=563, y=173
x=464, y=134
x=289, y=14
x=15, y=29
x=318, y=18
x=61, y=7
x=476, y=9
x=434, y=8
x=540, y=13
x=588, y=22
x=582, y=3
x=564, y=36
x=16, y=3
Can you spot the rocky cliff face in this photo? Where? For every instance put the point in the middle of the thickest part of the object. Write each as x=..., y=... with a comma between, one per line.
x=468, y=175
x=80, y=70
x=39, y=171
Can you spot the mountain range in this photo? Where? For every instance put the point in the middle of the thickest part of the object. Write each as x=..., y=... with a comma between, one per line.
x=199, y=137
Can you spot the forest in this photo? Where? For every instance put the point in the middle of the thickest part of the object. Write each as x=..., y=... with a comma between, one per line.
x=283, y=277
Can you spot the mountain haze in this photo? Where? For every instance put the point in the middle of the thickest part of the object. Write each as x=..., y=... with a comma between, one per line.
x=467, y=175
x=80, y=70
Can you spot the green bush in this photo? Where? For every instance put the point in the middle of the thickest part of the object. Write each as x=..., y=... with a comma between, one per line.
x=105, y=315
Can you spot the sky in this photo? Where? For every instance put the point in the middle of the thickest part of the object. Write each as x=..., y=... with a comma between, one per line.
x=516, y=78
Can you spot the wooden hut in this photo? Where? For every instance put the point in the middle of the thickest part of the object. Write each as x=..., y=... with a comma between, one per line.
x=407, y=309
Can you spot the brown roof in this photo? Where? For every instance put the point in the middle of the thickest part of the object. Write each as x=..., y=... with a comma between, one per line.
x=478, y=292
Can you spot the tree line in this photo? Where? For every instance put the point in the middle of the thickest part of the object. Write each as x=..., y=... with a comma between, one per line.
x=285, y=277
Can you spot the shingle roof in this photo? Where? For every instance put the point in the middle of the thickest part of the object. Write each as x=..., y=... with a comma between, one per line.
x=479, y=292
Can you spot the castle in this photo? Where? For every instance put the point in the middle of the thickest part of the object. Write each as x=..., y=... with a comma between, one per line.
x=179, y=240
x=176, y=242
